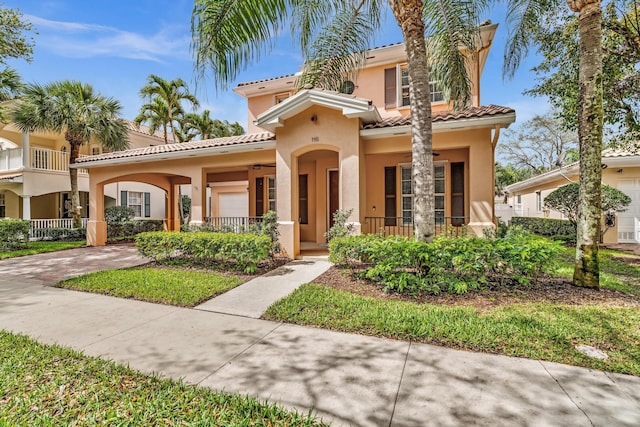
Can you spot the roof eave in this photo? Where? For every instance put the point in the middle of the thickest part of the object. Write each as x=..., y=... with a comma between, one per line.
x=211, y=151
x=502, y=120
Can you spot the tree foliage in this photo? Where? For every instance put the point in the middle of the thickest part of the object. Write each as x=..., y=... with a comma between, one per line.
x=539, y=145
x=77, y=111
x=557, y=74
x=203, y=126
x=565, y=200
x=507, y=175
x=14, y=39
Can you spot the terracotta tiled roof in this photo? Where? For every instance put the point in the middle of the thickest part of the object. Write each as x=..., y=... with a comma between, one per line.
x=621, y=152
x=469, y=113
x=266, y=80
x=185, y=146
x=7, y=177
x=142, y=129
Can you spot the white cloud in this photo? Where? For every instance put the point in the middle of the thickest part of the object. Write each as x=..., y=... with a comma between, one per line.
x=80, y=40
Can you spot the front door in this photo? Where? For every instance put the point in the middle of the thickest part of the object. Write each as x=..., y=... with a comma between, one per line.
x=333, y=193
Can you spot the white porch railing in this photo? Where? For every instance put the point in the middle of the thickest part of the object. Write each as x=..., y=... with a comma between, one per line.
x=51, y=160
x=11, y=159
x=38, y=229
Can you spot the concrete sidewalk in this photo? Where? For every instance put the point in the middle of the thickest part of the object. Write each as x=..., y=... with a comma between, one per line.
x=252, y=299
x=347, y=379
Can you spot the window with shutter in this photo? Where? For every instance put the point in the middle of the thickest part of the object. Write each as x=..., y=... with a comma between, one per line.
x=390, y=195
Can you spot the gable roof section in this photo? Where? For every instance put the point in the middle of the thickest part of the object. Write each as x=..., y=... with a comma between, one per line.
x=245, y=142
x=350, y=106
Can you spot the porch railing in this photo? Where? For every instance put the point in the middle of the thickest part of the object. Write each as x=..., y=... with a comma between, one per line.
x=39, y=227
x=399, y=226
x=11, y=159
x=232, y=223
x=51, y=160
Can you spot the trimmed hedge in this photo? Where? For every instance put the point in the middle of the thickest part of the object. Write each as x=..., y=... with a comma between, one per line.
x=14, y=233
x=559, y=228
x=63, y=234
x=453, y=265
x=129, y=229
x=242, y=251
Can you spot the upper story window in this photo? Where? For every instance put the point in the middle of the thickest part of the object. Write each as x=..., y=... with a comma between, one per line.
x=3, y=207
x=396, y=87
x=279, y=97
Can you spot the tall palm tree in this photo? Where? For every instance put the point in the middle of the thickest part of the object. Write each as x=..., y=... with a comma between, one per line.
x=10, y=87
x=155, y=114
x=528, y=15
x=334, y=37
x=82, y=114
x=170, y=92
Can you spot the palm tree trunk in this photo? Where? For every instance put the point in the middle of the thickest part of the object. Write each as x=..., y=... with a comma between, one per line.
x=408, y=14
x=75, y=194
x=590, y=122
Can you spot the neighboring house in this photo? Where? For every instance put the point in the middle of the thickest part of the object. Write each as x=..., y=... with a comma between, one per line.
x=621, y=169
x=311, y=152
x=35, y=185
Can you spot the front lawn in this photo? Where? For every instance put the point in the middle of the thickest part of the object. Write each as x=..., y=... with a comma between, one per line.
x=52, y=385
x=185, y=288
x=41, y=247
x=545, y=320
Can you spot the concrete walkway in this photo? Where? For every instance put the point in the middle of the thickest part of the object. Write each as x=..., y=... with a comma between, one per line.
x=347, y=379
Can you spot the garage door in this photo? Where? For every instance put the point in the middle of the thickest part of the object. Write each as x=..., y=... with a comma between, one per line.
x=629, y=221
x=233, y=204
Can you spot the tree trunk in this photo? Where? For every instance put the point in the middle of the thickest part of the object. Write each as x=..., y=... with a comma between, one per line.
x=75, y=194
x=590, y=122
x=408, y=14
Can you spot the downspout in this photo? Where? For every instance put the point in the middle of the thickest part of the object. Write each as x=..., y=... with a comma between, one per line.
x=494, y=143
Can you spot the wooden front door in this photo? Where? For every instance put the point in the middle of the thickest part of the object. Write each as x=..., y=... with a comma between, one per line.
x=333, y=194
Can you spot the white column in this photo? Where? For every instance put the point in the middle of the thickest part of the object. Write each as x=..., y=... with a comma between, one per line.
x=26, y=207
x=26, y=150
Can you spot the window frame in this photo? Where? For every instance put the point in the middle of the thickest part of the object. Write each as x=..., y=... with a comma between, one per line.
x=3, y=205
x=410, y=196
x=538, y=201
x=136, y=206
x=399, y=69
x=280, y=97
x=271, y=202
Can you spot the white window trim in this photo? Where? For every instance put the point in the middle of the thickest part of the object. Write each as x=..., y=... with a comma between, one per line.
x=399, y=68
x=539, y=201
x=409, y=166
x=275, y=191
x=131, y=205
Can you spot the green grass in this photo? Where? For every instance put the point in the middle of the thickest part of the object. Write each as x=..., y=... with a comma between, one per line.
x=41, y=247
x=533, y=330
x=184, y=288
x=614, y=274
x=51, y=385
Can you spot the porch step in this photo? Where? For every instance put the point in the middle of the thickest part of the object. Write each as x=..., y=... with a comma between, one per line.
x=253, y=298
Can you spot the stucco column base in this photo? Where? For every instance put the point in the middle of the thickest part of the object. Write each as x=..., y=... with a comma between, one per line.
x=96, y=233
x=287, y=238
x=479, y=227
x=357, y=227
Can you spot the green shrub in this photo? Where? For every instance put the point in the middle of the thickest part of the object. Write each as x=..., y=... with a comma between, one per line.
x=340, y=227
x=129, y=229
x=454, y=265
x=63, y=234
x=545, y=226
x=118, y=214
x=14, y=233
x=241, y=251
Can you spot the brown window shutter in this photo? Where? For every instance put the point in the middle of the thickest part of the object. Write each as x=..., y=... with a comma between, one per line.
x=390, y=91
x=457, y=193
x=259, y=196
x=390, y=195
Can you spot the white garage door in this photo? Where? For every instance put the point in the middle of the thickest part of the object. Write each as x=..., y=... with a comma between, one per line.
x=629, y=221
x=233, y=204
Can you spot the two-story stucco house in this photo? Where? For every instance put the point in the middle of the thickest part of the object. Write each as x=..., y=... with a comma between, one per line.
x=35, y=185
x=310, y=152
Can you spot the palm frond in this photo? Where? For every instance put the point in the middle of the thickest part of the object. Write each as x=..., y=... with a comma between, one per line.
x=228, y=34
x=340, y=49
x=452, y=36
x=524, y=18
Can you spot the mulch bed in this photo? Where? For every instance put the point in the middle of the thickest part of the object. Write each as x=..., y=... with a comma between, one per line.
x=557, y=291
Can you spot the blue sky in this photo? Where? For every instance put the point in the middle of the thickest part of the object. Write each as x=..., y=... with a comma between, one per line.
x=114, y=45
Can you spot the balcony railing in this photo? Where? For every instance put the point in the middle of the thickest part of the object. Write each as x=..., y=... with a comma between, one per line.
x=39, y=227
x=39, y=159
x=11, y=159
x=399, y=226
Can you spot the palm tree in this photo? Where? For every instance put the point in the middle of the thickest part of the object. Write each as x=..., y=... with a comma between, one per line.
x=528, y=16
x=155, y=114
x=334, y=37
x=192, y=125
x=10, y=87
x=81, y=113
x=172, y=93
